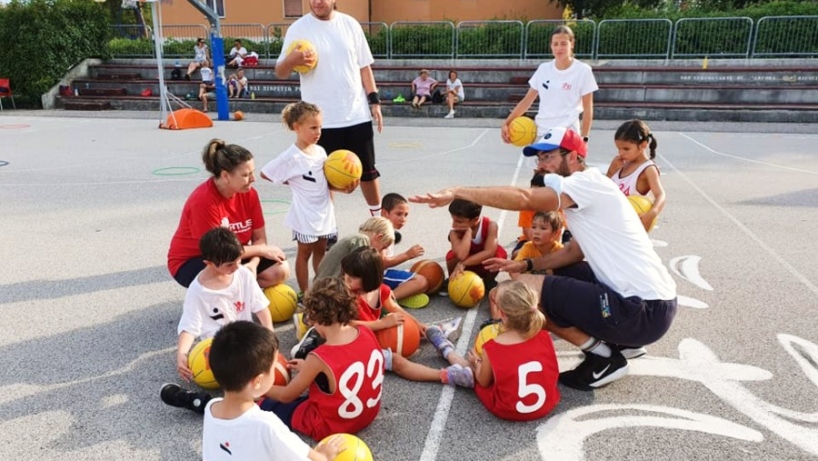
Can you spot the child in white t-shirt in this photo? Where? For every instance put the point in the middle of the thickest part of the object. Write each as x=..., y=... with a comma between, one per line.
x=223, y=292
x=242, y=358
x=301, y=166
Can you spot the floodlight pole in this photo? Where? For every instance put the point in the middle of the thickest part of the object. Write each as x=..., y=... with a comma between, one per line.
x=217, y=52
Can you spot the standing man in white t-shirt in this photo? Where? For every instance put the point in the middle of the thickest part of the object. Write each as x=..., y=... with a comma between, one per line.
x=342, y=85
x=610, y=293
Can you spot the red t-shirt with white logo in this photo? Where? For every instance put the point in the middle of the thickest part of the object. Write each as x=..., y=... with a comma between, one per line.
x=205, y=209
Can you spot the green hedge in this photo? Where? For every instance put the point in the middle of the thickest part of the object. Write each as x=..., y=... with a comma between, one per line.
x=44, y=38
x=498, y=39
x=420, y=41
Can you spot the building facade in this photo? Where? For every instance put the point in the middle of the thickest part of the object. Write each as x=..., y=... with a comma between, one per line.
x=266, y=12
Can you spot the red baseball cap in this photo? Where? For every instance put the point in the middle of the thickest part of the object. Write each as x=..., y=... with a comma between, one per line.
x=556, y=138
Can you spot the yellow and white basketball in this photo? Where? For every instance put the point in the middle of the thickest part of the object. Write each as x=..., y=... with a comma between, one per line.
x=522, y=131
x=466, y=290
x=486, y=334
x=303, y=45
x=354, y=448
x=283, y=302
x=342, y=168
x=642, y=205
x=199, y=363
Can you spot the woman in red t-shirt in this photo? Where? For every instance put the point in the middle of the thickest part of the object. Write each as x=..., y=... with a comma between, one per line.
x=228, y=200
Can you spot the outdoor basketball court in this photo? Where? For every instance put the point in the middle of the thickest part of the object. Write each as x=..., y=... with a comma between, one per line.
x=89, y=205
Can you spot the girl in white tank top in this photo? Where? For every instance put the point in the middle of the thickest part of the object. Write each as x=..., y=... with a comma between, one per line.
x=633, y=169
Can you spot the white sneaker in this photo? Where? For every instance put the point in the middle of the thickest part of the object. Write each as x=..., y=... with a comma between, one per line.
x=451, y=328
x=450, y=115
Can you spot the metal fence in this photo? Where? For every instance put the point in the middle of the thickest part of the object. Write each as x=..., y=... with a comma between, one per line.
x=733, y=37
x=633, y=38
x=422, y=39
x=538, y=37
x=490, y=39
x=790, y=36
x=714, y=37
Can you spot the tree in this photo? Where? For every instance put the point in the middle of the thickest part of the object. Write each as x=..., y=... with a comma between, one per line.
x=598, y=8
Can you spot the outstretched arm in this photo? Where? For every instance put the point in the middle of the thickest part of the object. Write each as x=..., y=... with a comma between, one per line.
x=503, y=197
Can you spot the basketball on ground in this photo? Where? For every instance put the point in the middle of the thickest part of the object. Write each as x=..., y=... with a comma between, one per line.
x=642, y=205
x=303, y=45
x=342, y=168
x=283, y=301
x=199, y=363
x=354, y=448
x=522, y=131
x=466, y=290
x=486, y=334
x=432, y=272
x=238, y=115
x=403, y=339
x=282, y=373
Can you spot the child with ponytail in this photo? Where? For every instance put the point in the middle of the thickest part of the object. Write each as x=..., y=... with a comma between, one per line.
x=633, y=169
x=516, y=373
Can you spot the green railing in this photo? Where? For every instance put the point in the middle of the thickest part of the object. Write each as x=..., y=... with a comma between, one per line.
x=736, y=37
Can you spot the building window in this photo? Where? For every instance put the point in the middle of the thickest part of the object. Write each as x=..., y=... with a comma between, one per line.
x=292, y=9
x=217, y=6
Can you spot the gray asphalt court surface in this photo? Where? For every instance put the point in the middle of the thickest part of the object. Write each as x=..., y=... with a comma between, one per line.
x=88, y=207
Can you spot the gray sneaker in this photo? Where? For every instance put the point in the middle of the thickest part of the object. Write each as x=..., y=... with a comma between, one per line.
x=460, y=376
x=451, y=328
x=438, y=339
x=632, y=352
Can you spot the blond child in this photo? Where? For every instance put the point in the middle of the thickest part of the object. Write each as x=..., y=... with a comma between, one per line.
x=516, y=373
x=301, y=167
x=634, y=170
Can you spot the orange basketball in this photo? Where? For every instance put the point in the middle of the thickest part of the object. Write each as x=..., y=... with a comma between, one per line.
x=403, y=339
x=342, y=168
x=238, y=115
x=432, y=272
x=282, y=373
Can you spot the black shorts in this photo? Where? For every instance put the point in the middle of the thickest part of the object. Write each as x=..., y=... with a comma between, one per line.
x=359, y=139
x=573, y=297
x=191, y=268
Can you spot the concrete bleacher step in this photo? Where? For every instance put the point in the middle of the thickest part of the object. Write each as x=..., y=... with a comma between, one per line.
x=87, y=91
x=80, y=104
x=118, y=75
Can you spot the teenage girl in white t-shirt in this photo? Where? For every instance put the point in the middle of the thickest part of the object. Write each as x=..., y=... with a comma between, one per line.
x=565, y=87
x=633, y=170
x=311, y=216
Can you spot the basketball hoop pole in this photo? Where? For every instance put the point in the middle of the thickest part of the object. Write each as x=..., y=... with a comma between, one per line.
x=157, y=43
x=217, y=52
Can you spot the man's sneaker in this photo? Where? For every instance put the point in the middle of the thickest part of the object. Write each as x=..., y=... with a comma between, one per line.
x=308, y=343
x=175, y=396
x=458, y=375
x=444, y=288
x=415, y=301
x=632, y=352
x=450, y=114
x=595, y=371
x=435, y=336
x=398, y=237
x=488, y=322
x=451, y=328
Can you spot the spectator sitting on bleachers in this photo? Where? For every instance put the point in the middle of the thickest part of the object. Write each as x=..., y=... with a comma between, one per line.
x=208, y=85
x=454, y=92
x=238, y=52
x=237, y=85
x=422, y=87
x=200, y=55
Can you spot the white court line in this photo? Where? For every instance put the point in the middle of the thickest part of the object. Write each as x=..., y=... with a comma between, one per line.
x=444, y=404
x=744, y=228
x=746, y=159
x=414, y=159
